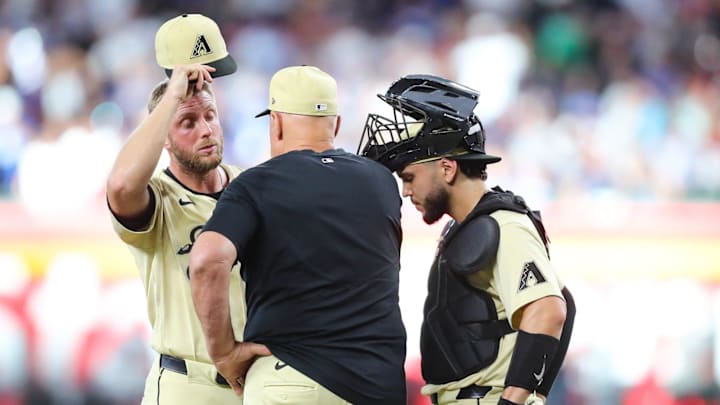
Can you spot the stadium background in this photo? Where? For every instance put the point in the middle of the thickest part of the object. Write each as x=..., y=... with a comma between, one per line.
x=605, y=111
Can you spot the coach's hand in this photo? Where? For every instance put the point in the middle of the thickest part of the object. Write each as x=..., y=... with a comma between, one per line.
x=185, y=76
x=235, y=364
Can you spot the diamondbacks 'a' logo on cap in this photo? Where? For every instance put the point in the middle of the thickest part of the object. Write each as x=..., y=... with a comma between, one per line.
x=201, y=47
x=530, y=276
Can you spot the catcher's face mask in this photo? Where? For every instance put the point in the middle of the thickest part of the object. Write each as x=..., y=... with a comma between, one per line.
x=432, y=118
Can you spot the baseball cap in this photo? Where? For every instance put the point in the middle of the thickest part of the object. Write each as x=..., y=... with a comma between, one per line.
x=302, y=90
x=192, y=38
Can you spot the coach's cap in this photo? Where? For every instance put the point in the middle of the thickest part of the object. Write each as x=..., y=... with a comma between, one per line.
x=192, y=38
x=302, y=90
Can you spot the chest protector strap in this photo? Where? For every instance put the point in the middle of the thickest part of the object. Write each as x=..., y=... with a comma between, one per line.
x=472, y=245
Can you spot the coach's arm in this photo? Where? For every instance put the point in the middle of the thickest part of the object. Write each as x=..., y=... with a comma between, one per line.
x=211, y=260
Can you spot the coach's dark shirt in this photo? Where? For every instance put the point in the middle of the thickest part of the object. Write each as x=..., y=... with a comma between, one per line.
x=318, y=236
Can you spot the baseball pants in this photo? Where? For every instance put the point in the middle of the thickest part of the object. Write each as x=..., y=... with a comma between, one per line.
x=271, y=381
x=164, y=386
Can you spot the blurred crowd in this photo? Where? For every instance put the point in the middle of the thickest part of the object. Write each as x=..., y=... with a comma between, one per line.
x=610, y=100
x=603, y=99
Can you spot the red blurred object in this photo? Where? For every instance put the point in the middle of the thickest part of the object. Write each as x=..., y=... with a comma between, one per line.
x=694, y=400
x=413, y=376
x=648, y=392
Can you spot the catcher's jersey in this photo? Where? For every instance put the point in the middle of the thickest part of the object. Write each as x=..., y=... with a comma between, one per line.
x=521, y=274
x=162, y=252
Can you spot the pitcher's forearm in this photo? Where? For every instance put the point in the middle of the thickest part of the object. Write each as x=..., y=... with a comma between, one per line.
x=140, y=154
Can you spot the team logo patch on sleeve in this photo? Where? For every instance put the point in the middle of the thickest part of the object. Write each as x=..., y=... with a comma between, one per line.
x=530, y=276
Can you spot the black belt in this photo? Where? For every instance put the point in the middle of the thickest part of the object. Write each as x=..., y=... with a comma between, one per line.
x=178, y=365
x=471, y=392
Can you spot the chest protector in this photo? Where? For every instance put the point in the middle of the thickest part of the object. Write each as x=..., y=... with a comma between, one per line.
x=461, y=331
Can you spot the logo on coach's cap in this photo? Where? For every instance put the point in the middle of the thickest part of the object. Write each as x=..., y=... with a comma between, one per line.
x=302, y=90
x=192, y=38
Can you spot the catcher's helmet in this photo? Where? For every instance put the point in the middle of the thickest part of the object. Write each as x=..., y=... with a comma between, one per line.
x=433, y=119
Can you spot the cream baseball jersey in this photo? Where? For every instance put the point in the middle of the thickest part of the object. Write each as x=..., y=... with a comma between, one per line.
x=162, y=252
x=520, y=274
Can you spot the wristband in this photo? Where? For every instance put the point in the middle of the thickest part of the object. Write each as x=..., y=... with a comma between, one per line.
x=554, y=367
x=531, y=357
x=504, y=401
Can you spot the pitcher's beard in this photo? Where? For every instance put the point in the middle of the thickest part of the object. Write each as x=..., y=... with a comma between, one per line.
x=195, y=163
